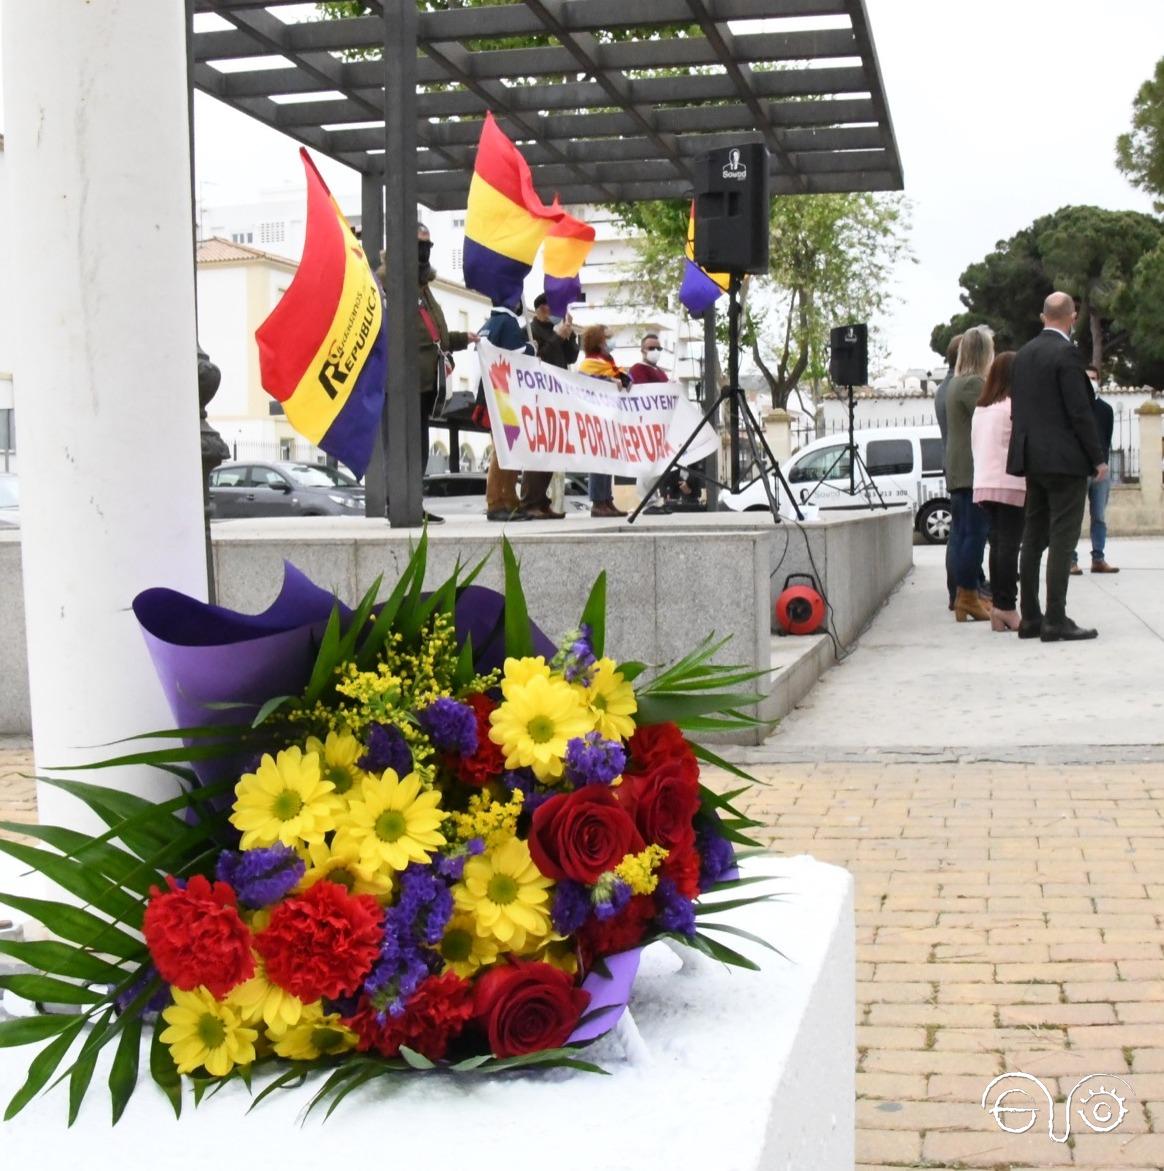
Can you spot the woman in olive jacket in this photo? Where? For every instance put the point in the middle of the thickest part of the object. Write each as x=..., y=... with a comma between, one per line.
x=970, y=524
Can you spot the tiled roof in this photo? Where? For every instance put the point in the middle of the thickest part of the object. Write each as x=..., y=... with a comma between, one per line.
x=216, y=250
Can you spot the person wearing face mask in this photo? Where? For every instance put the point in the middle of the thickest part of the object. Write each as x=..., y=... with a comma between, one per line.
x=648, y=369
x=1098, y=491
x=598, y=363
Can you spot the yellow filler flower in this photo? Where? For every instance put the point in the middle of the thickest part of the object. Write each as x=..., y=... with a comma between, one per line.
x=536, y=722
x=392, y=822
x=507, y=895
x=205, y=1032
x=286, y=800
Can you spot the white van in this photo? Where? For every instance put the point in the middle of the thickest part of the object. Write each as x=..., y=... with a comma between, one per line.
x=906, y=467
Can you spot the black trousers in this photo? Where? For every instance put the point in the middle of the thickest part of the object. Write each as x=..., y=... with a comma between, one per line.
x=1054, y=517
x=1006, y=536
x=427, y=402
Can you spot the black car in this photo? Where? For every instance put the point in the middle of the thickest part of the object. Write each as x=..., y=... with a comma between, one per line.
x=283, y=488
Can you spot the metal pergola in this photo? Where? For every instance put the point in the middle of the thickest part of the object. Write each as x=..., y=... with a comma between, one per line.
x=609, y=101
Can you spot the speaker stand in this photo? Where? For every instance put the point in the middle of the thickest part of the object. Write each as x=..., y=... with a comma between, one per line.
x=762, y=456
x=867, y=486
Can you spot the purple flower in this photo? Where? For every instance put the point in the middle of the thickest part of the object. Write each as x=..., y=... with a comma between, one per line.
x=145, y=974
x=715, y=853
x=411, y=927
x=451, y=726
x=387, y=748
x=674, y=912
x=609, y=902
x=590, y=760
x=260, y=877
x=524, y=780
x=576, y=658
x=571, y=906
x=451, y=866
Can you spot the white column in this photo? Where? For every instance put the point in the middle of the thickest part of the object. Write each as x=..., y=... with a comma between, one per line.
x=1150, y=477
x=104, y=361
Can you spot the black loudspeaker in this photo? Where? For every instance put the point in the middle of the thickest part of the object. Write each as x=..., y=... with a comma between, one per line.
x=731, y=209
x=849, y=355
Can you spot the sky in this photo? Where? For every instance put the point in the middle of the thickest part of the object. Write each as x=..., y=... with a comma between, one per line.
x=1004, y=110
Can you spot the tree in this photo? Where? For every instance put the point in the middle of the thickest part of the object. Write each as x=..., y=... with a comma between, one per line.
x=830, y=260
x=1089, y=252
x=1140, y=152
x=1145, y=314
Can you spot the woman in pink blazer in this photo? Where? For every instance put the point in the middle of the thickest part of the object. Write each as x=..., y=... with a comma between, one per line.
x=1002, y=496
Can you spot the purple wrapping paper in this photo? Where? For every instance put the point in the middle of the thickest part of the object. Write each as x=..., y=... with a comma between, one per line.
x=608, y=995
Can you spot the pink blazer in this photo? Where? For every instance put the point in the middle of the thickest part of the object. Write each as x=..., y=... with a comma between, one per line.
x=989, y=440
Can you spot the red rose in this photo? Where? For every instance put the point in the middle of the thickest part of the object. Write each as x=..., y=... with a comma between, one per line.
x=526, y=1006
x=625, y=930
x=652, y=744
x=581, y=835
x=322, y=942
x=488, y=762
x=663, y=803
x=682, y=866
x=434, y=1015
x=195, y=936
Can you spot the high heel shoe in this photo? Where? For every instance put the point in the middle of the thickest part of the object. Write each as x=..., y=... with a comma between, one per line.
x=1004, y=620
x=969, y=605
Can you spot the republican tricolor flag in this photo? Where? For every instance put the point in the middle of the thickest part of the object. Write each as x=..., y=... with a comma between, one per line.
x=700, y=289
x=505, y=221
x=567, y=245
x=322, y=350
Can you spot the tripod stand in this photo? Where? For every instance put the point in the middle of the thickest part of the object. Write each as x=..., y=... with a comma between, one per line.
x=762, y=458
x=868, y=487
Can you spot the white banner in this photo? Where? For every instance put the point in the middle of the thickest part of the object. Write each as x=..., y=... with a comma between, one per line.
x=552, y=420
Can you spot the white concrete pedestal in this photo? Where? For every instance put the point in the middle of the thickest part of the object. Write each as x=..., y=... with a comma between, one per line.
x=731, y=1071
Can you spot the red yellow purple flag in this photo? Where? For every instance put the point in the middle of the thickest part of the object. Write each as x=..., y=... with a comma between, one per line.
x=700, y=289
x=505, y=221
x=567, y=245
x=322, y=351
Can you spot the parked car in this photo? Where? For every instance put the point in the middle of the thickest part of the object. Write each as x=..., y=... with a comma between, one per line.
x=9, y=501
x=906, y=466
x=283, y=488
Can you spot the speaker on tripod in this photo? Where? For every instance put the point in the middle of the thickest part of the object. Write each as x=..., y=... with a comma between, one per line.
x=849, y=355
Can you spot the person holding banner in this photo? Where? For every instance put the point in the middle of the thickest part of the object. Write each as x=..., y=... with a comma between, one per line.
x=507, y=330
x=598, y=363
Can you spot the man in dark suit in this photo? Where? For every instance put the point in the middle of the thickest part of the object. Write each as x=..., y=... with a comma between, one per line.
x=1054, y=444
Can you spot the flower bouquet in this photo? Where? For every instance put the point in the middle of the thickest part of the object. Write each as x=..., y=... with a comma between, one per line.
x=411, y=836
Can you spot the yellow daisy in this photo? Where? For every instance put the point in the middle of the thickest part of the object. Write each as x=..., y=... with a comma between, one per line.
x=343, y=865
x=259, y=1002
x=338, y=755
x=463, y=949
x=559, y=953
x=535, y=723
x=508, y=897
x=518, y=672
x=391, y=823
x=206, y=1032
x=611, y=700
x=285, y=800
x=315, y=1035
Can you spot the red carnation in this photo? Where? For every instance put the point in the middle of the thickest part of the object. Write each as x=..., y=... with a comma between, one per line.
x=527, y=1006
x=434, y=1015
x=682, y=866
x=488, y=762
x=625, y=930
x=582, y=835
x=196, y=937
x=322, y=942
x=652, y=744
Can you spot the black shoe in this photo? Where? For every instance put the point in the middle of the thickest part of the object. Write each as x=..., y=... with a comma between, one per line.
x=504, y=515
x=432, y=519
x=1030, y=628
x=1068, y=632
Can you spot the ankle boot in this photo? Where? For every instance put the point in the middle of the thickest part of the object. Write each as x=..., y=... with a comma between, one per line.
x=968, y=605
x=1001, y=620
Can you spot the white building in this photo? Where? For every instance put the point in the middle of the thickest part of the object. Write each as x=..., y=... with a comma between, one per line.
x=7, y=413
